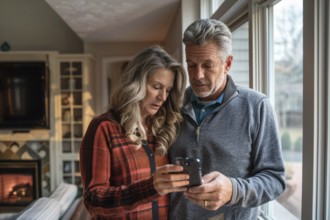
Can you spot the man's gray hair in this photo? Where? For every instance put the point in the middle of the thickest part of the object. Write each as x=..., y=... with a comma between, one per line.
x=203, y=31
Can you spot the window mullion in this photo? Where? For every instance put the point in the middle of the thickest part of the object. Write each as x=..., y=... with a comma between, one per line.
x=315, y=179
x=205, y=8
x=259, y=46
x=262, y=65
x=327, y=159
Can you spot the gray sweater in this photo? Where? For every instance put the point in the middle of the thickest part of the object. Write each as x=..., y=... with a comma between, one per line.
x=239, y=139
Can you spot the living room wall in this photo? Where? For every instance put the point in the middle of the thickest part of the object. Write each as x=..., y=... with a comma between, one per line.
x=34, y=26
x=173, y=41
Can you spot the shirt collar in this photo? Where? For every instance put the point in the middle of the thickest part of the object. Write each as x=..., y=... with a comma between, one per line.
x=195, y=99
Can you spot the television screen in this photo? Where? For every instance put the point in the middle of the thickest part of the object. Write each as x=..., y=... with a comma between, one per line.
x=23, y=95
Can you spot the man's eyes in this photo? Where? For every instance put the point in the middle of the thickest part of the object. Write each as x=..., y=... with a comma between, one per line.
x=208, y=66
x=205, y=66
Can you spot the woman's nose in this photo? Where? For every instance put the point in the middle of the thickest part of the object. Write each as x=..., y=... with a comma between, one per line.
x=162, y=95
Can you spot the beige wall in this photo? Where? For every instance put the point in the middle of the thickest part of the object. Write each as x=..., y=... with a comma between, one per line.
x=32, y=25
x=173, y=39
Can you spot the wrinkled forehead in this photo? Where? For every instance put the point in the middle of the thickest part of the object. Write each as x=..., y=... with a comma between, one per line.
x=202, y=53
x=162, y=76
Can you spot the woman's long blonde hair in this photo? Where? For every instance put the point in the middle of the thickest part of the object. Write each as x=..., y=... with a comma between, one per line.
x=125, y=100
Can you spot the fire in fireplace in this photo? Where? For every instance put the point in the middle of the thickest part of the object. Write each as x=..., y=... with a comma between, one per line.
x=20, y=183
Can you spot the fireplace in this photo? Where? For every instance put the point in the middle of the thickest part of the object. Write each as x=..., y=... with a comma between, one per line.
x=20, y=184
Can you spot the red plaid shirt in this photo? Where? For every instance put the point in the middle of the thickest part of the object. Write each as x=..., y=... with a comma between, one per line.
x=116, y=177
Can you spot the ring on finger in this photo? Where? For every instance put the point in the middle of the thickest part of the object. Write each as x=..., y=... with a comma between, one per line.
x=205, y=203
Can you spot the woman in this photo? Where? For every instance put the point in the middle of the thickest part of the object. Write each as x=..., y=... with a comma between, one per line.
x=123, y=158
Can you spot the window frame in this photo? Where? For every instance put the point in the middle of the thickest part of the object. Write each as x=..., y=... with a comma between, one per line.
x=327, y=72
x=315, y=190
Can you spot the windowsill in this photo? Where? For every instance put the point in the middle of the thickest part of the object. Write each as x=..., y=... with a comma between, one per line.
x=279, y=214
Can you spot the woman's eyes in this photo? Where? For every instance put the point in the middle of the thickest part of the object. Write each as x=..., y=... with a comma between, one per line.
x=191, y=65
x=159, y=88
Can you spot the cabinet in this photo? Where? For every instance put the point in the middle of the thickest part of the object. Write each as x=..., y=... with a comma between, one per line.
x=74, y=113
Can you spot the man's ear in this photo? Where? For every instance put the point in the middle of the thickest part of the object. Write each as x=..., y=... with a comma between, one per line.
x=229, y=61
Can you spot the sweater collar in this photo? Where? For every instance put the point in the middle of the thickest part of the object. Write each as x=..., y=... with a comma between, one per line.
x=230, y=89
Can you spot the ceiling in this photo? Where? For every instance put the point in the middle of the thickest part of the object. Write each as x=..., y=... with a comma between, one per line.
x=118, y=20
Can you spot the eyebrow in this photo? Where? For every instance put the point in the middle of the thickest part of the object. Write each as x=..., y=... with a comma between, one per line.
x=207, y=60
x=160, y=83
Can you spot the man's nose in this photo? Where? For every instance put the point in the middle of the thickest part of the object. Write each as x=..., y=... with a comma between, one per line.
x=199, y=73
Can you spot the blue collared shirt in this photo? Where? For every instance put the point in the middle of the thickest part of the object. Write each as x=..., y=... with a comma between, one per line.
x=202, y=109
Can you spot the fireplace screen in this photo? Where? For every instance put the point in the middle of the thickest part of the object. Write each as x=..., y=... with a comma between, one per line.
x=20, y=183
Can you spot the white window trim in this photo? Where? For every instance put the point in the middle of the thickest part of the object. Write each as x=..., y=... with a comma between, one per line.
x=315, y=196
x=327, y=72
x=205, y=8
x=259, y=47
x=231, y=11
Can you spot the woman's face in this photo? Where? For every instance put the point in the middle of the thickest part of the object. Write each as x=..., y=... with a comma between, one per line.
x=159, y=85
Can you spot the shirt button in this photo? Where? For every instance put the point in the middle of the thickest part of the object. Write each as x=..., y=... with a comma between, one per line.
x=151, y=154
x=203, y=110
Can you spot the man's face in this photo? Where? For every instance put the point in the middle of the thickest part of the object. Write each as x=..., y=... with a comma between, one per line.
x=207, y=73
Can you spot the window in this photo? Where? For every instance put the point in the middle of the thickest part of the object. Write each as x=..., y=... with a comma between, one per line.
x=240, y=68
x=288, y=90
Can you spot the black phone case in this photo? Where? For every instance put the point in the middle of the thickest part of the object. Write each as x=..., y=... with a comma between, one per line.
x=193, y=168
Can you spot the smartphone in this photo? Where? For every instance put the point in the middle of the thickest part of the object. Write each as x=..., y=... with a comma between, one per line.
x=191, y=166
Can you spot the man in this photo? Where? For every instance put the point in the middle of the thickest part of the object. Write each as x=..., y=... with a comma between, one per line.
x=231, y=129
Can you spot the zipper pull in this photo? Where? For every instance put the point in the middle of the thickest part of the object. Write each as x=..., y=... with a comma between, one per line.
x=197, y=133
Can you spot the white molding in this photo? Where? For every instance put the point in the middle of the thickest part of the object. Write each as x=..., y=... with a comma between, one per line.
x=205, y=8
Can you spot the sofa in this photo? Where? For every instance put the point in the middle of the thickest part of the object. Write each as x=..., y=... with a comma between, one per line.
x=62, y=204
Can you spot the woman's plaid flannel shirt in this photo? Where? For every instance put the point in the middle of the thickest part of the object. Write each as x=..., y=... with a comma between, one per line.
x=116, y=177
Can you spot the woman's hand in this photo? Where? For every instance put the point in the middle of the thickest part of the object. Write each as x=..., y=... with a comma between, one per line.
x=168, y=179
